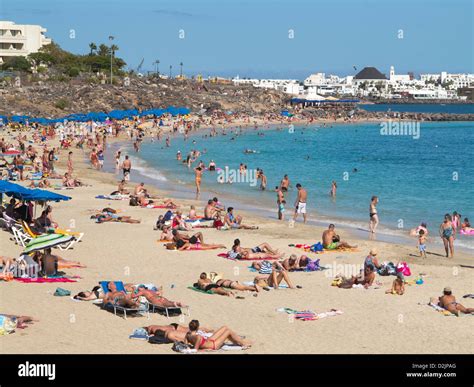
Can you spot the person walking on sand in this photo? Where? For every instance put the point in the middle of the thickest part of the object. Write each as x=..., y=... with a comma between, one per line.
x=70, y=167
x=126, y=168
x=118, y=155
x=300, y=203
x=447, y=235
x=374, y=217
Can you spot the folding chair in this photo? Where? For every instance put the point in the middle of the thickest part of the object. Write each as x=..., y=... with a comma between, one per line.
x=119, y=285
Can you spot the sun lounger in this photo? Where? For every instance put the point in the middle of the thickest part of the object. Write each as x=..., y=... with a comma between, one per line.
x=167, y=309
x=119, y=285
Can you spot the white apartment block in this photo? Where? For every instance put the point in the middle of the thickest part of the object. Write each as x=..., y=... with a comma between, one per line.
x=20, y=39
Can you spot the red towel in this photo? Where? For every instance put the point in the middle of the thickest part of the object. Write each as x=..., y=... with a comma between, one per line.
x=41, y=280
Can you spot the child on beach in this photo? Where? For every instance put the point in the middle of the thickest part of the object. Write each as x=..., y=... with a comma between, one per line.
x=398, y=287
x=422, y=243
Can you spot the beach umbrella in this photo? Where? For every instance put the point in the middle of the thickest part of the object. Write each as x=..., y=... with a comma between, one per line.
x=46, y=242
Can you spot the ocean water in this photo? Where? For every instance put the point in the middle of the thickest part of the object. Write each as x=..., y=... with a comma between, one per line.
x=415, y=179
x=453, y=108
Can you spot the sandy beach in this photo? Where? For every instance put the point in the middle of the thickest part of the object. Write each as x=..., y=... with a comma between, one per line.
x=372, y=321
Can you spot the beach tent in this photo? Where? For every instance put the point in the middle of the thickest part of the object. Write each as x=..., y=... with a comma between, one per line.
x=4, y=119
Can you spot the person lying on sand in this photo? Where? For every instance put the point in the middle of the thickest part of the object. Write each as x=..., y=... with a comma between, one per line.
x=95, y=294
x=273, y=280
x=70, y=182
x=293, y=263
x=62, y=263
x=366, y=278
x=43, y=183
x=205, y=283
x=111, y=217
x=448, y=302
x=398, y=287
x=264, y=250
x=331, y=241
x=227, y=283
x=173, y=332
x=184, y=242
x=216, y=341
x=21, y=321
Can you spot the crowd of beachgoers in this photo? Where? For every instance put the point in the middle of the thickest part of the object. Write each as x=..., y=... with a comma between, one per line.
x=30, y=154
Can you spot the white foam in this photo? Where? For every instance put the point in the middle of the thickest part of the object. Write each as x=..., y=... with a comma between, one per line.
x=142, y=167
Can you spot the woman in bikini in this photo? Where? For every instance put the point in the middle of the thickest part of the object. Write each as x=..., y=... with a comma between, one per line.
x=264, y=250
x=274, y=279
x=198, y=177
x=216, y=341
x=374, y=217
x=447, y=235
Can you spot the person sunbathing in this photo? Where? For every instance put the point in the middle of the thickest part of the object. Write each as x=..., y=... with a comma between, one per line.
x=120, y=298
x=294, y=263
x=95, y=294
x=264, y=250
x=111, y=217
x=331, y=241
x=216, y=341
x=156, y=298
x=235, y=285
x=398, y=287
x=365, y=278
x=184, y=242
x=207, y=285
x=21, y=321
x=273, y=280
x=448, y=302
x=236, y=221
x=173, y=332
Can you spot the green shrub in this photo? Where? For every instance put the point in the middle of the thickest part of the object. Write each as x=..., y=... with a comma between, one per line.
x=61, y=103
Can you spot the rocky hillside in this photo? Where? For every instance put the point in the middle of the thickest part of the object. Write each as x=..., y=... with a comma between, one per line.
x=55, y=99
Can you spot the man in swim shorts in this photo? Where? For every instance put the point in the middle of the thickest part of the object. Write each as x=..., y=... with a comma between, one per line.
x=300, y=202
x=331, y=240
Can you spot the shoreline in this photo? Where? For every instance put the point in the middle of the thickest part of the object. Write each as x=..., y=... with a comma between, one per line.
x=353, y=227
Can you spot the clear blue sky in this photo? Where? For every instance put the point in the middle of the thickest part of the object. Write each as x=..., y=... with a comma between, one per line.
x=250, y=37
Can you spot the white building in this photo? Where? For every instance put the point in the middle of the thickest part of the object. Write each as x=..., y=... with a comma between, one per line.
x=20, y=39
x=397, y=78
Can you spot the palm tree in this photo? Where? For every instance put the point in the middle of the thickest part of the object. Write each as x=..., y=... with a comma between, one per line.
x=114, y=48
x=103, y=50
x=93, y=47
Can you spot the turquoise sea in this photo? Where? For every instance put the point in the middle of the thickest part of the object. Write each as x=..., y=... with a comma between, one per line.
x=415, y=179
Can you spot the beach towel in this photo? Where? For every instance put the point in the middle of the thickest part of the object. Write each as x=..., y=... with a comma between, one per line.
x=139, y=334
x=113, y=197
x=200, y=290
x=41, y=280
x=318, y=249
x=439, y=309
x=225, y=255
x=308, y=315
x=158, y=206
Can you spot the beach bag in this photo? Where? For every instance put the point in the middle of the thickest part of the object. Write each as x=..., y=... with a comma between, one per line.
x=313, y=265
x=60, y=292
x=171, y=246
x=217, y=223
x=403, y=268
x=179, y=346
x=316, y=247
x=133, y=201
x=158, y=339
